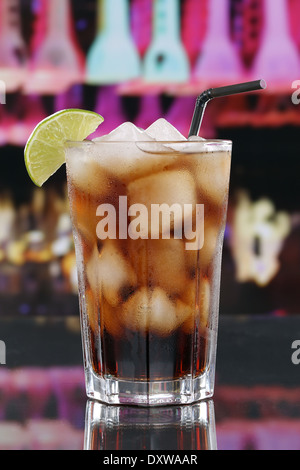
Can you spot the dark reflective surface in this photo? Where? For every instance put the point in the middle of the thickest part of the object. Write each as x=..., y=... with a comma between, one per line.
x=166, y=428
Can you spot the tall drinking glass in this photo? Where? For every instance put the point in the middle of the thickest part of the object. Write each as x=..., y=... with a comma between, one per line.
x=148, y=221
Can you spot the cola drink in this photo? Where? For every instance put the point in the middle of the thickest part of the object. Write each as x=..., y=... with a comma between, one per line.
x=148, y=216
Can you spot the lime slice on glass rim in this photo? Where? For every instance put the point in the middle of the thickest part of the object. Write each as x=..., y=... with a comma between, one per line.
x=44, y=151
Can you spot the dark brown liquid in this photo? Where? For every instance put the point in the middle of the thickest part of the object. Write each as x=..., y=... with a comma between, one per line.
x=149, y=357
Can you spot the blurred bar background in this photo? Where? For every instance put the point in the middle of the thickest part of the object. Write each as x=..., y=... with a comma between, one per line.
x=70, y=55
x=139, y=60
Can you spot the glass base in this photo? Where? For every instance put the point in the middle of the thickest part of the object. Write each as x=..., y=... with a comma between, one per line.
x=111, y=390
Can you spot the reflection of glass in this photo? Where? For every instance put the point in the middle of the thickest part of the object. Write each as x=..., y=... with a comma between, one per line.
x=166, y=428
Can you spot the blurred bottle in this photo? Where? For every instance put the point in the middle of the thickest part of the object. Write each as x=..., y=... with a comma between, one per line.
x=194, y=24
x=251, y=28
x=39, y=10
x=141, y=24
x=13, y=52
x=166, y=60
x=236, y=22
x=294, y=13
x=219, y=61
x=113, y=57
x=57, y=61
x=277, y=60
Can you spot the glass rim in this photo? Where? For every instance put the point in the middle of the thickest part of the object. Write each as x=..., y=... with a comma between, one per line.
x=86, y=142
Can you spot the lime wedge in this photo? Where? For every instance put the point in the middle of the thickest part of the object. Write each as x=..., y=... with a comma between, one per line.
x=44, y=150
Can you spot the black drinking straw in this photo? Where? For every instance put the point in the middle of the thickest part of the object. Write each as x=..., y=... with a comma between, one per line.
x=208, y=95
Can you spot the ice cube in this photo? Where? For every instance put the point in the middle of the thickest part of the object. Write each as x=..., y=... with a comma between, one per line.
x=126, y=153
x=159, y=263
x=186, y=316
x=136, y=311
x=139, y=255
x=85, y=172
x=174, y=189
x=92, y=167
x=121, y=156
x=109, y=274
x=212, y=176
x=85, y=221
x=163, y=319
x=205, y=255
x=161, y=130
x=126, y=132
x=153, y=311
x=110, y=318
x=166, y=264
x=195, y=138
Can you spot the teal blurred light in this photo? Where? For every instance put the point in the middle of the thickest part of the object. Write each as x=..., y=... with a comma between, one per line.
x=166, y=60
x=113, y=56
